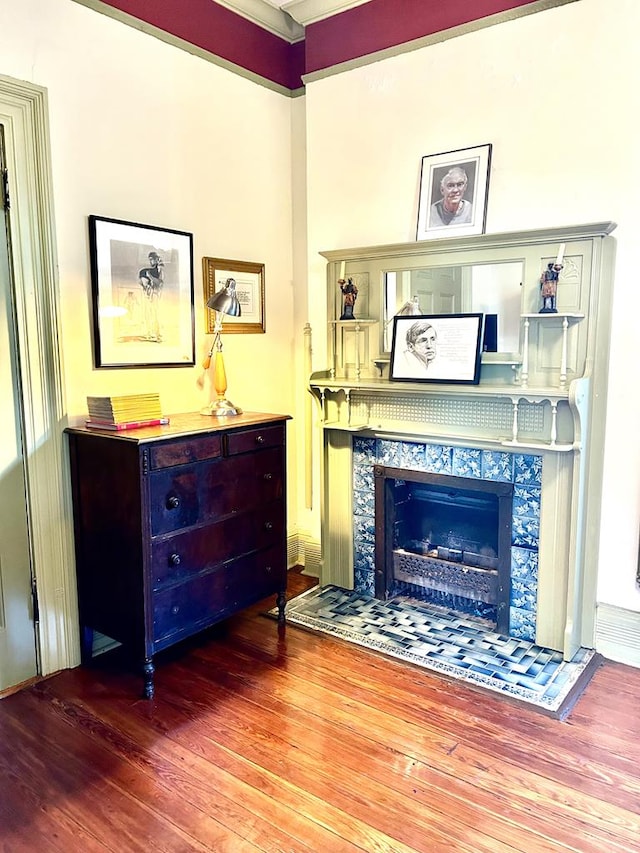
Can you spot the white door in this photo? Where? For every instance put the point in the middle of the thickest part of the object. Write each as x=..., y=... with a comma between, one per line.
x=438, y=291
x=18, y=659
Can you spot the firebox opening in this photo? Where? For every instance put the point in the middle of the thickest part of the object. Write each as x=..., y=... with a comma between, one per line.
x=445, y=540
x=450, y=524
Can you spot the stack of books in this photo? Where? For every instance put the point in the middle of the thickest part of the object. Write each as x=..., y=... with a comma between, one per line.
x=127, y=411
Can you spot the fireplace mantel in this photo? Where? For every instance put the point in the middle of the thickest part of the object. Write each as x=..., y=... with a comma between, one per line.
x=511, y=416
x=544, y=404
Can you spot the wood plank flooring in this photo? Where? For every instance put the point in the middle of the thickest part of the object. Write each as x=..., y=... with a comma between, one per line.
x=299, y=743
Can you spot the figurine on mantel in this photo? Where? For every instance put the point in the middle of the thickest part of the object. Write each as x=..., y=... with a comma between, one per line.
x=549, y=284
x=350, y=293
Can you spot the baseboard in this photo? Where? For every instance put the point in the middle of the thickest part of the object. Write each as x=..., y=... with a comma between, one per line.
x=304, y=550
x=618, y=634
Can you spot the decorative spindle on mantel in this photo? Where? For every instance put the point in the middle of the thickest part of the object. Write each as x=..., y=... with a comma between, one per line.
x=524, y=373
x=515, y=441
x=334, y=350
x=514, y=430
x=357, y=328
x=554, y=422
x=563, y=358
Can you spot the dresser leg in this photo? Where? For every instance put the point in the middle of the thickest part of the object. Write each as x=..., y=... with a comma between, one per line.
x=281, y=601
x=148, y=670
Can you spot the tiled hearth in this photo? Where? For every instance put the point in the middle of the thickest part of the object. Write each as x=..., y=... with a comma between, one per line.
x=524, y=471
x=447, y=644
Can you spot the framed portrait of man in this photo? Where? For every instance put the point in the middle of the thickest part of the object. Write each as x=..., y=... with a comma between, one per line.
x=453, y=193
x=437, y=348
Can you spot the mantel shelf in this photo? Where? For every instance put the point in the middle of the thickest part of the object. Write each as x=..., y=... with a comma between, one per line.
x=553, y=315
x=366, y=321
x=513, y=359
x=348, y=405
x=345, y=427
x=537, y=446
x=323, y=382
x=400, y=432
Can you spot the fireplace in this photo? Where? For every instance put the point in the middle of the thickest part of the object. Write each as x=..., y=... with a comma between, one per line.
x=535, y=420
x=445, y=540
x=508, y=488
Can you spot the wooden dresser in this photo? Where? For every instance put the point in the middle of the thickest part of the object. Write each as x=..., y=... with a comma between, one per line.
x=177, y=527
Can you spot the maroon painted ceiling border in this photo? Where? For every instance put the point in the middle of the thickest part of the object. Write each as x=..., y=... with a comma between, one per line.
x=224, y=33
x=382, y=24
x=358, y=32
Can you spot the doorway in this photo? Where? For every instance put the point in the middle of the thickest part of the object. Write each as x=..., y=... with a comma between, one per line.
x=40, y=485
x=18, y=647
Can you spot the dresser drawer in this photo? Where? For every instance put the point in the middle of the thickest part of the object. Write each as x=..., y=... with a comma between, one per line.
x=165, y=454
x=255, y=439
x=189, y=495
x=183, y=555
x=191, y=606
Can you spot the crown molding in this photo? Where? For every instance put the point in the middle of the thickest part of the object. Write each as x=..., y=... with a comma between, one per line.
x=310, y=11
x=290, y=18
x=267, y=16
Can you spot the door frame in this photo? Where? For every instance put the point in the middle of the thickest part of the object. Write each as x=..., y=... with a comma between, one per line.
x=24, y=115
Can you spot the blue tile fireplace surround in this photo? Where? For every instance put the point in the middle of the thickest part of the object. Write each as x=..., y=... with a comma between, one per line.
x=522, y=470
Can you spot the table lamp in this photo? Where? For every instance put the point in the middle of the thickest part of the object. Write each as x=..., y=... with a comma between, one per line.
x=223, y=302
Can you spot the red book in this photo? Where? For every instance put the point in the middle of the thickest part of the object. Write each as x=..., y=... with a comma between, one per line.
x=94, y=424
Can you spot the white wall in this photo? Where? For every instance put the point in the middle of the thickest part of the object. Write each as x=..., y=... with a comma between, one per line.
x=554, y=94
x=145, y=132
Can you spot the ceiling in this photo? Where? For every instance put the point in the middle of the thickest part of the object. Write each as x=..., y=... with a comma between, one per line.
x=288, y=18
x=309, y=11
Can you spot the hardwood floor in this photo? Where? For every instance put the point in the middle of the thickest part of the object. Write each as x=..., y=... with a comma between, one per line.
x=299, y=743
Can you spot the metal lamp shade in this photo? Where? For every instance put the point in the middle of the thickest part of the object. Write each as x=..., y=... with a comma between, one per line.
x=225, y=301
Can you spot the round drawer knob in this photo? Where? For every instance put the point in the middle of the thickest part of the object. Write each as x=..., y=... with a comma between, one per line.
x=174, y=560
x=268, y=525
x=259, y=439
x=173, y=502
x=175, y=609
x=267, y=569
x=268, y=476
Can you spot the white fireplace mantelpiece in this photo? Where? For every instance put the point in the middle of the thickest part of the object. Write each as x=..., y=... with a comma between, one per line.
x=547, y=399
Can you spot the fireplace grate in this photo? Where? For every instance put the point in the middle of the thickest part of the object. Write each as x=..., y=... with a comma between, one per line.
x=452, y=578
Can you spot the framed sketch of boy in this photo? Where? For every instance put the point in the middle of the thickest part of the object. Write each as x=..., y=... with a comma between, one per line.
x=437, y=348
x=453, y=193
x=143, y=294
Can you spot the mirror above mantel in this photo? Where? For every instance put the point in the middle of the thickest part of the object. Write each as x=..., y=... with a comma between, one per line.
x=486, y=288
x=494, y=274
